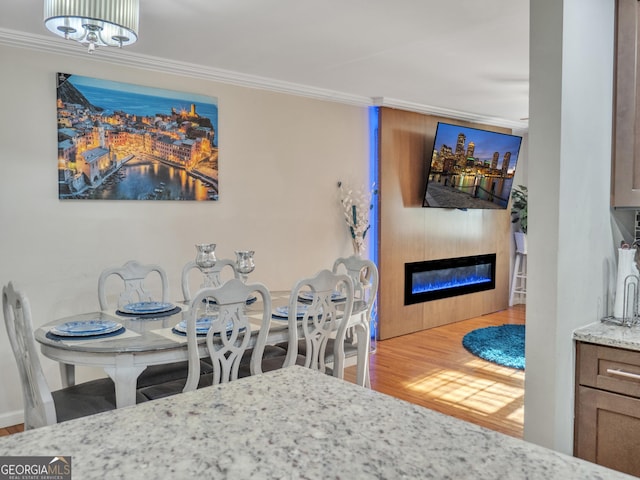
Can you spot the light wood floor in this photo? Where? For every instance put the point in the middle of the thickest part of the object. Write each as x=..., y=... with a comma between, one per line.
x=431, y=368
x=10, y=430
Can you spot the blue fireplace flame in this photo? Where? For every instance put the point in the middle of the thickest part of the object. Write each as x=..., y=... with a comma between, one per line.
x=437, y=280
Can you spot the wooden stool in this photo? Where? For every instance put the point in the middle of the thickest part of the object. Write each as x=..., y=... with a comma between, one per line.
x=519, y=279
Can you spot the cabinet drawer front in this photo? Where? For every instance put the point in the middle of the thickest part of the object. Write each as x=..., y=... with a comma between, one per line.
x=608, y=430
x=608, y=368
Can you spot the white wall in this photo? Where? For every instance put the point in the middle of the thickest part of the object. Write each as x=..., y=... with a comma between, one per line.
x=569, y=234
x=280, y=159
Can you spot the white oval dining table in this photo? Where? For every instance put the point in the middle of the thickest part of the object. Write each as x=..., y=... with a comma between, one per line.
x=146, y=341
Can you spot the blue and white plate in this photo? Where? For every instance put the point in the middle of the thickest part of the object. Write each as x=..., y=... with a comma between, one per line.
x=86, y=328
x=202, y=325
x=307, y=296
x=283, y=312
x=148, y=307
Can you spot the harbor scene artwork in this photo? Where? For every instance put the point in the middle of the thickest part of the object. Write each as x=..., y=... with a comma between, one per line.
x=118, y=141
x=471, y=168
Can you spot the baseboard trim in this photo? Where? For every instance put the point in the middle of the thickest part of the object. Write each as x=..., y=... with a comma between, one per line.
x=10, y=419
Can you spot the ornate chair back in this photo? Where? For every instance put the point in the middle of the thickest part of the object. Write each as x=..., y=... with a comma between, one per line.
x=39, y=408
x=214, y=279
x=364, y=274
x=133, y=274
x=320, y=318
x=229, y=336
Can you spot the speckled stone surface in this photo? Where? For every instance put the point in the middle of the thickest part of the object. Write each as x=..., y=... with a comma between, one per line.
x=291, y=424
x=604, y=333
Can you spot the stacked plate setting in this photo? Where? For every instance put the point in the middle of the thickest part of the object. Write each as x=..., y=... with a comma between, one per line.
x=147, y=308
x=282, y=313
x=307, y=296
x=86, y=328
x=203, y=325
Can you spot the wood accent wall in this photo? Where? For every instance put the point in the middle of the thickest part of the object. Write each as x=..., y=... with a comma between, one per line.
x=410, y=233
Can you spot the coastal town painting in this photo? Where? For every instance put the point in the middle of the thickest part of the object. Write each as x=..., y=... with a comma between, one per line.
x=118, y=141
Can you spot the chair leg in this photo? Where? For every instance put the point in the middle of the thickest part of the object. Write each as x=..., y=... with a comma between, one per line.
x=523, y=276
x=514, y=278
x=367, y=377
x=364, y=344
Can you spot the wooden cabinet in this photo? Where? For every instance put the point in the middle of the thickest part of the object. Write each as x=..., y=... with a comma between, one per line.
x=625, y=178
x=607, y=416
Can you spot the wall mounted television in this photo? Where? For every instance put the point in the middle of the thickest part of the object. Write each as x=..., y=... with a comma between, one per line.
x=470, y=168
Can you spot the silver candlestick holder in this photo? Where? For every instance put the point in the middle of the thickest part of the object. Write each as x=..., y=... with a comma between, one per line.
x=206, y=260
x=244, y=263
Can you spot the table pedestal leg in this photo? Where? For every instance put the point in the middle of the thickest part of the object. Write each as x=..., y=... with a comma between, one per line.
x=125, y=377
x=67, y=375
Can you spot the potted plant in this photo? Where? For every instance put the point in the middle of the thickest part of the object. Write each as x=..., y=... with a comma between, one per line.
x=519, y=197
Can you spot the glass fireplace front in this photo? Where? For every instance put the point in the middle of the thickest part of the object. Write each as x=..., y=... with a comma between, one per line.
x=435, y=279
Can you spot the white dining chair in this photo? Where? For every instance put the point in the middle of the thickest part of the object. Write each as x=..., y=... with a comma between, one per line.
x=319, y=319
x=133, y=274
x=41, y=405
x=216, y=277
x=223, y=270
x=227, y=340
x=364, y=275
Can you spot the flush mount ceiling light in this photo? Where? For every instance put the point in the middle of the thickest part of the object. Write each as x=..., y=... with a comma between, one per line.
x=96, y=23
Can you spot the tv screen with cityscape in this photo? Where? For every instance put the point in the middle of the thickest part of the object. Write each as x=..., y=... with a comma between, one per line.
x=470, y=168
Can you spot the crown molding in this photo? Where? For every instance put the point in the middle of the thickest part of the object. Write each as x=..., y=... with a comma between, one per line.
x=125, y=57
x=520, y=126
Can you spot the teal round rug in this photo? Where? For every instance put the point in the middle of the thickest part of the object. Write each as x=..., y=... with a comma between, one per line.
x=503, y=345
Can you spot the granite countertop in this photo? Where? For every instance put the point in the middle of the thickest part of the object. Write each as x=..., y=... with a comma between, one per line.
x=609, y=334
x=293, y=423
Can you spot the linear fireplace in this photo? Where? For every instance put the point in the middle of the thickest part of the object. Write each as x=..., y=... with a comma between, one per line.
x=435, y=279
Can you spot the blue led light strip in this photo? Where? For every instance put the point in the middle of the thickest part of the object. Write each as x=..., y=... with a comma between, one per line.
x=374, y=168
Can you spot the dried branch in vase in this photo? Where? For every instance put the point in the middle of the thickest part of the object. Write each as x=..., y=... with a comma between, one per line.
x=357, y=205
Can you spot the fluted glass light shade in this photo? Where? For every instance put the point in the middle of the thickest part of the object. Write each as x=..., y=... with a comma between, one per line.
x=96, y=23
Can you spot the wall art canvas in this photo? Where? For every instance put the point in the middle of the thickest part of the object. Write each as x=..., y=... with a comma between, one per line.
x=118, y=141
